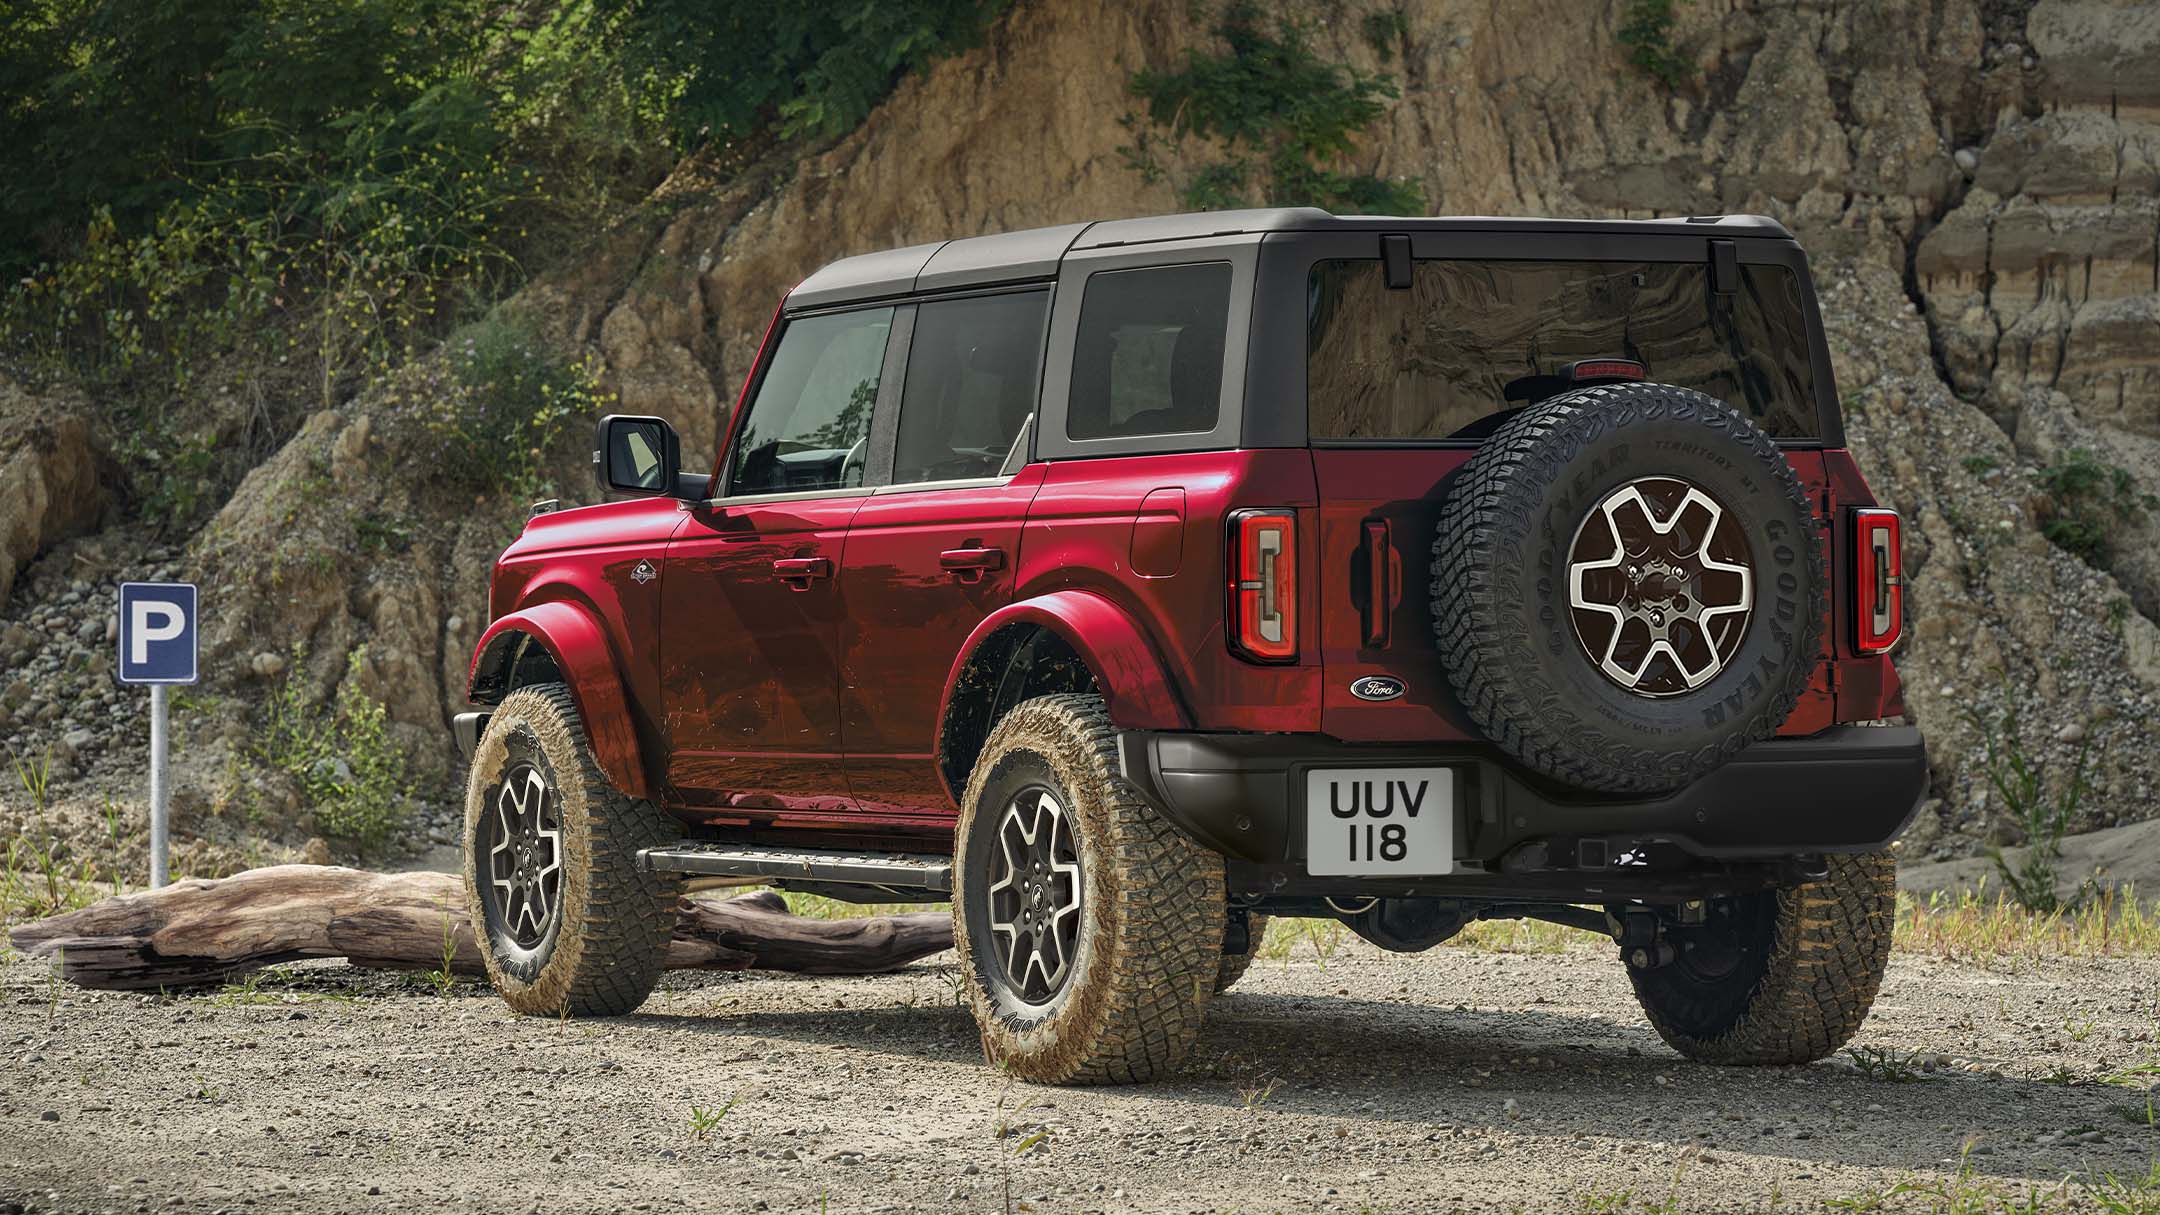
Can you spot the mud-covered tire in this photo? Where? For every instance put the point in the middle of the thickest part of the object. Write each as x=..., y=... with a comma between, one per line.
x=609, y=942
x=1811, y=958
x=1148, y=943
x=1234, y=965
x=1511, y=643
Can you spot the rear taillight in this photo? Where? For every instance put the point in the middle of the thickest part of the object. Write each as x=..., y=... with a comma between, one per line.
x=1263, y=584
x=1878, y=581
x=1589, y=370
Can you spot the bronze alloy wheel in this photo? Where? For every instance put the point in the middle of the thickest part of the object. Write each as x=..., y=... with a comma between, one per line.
x=1035, y=899
x=1660, y=586
x=522, y=861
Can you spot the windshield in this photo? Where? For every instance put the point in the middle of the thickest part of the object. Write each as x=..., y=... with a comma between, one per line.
x=1436, y=360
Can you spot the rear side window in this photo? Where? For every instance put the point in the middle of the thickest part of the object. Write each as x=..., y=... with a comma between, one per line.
x=972, y=373
x=809, y=424
x=1148, y=357
x=1437, y=360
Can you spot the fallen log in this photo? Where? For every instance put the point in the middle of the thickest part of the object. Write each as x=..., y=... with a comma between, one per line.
x=207, y=931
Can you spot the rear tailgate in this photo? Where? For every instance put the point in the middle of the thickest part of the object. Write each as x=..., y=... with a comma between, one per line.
x=1410, y=364
x=1378, y=508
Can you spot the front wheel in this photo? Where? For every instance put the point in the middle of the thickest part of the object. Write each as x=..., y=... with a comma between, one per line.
x=1785, y=976
x=1089, y=929
x=567, y=922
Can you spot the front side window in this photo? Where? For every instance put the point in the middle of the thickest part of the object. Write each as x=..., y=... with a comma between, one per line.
x=973, y=369
x=1472, y=340
x=809, y=423
x=1148, y=357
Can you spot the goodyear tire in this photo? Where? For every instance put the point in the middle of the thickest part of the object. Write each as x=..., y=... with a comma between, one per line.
x=1785, y=976
x=1089, y=929
x=1234, y=965
x=567, y=923
x=1628, y=587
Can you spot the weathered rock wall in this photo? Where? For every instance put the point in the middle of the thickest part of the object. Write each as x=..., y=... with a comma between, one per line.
x=1975, y=181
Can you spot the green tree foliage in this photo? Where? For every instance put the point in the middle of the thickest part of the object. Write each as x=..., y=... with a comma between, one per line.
x=1282, y=117
x=338, y=182
x=724, y=72
x=136, y=105
x=320, y=178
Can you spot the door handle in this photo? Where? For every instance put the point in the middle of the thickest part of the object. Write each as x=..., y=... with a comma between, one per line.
x=970, y=564
x=1379, y=583
x=798, y=571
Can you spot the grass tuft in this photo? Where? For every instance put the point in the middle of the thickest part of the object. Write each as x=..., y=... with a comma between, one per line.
x=1983, y=923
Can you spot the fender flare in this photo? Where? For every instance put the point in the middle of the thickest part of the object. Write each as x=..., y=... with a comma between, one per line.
x=578, y=643
x=1135, y=683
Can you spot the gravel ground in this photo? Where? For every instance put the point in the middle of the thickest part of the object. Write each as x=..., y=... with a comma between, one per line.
x=1365, y=1081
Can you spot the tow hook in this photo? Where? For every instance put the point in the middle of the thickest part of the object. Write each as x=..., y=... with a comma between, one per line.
x=1642, y=940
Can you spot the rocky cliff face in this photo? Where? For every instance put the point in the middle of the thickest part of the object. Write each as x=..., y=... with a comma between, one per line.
x=1976, y=183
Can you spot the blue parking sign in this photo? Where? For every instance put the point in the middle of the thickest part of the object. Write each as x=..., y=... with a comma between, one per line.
x=158, y=632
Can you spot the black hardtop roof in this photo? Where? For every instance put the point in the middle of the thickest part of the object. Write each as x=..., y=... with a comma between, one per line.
x=1034, y=253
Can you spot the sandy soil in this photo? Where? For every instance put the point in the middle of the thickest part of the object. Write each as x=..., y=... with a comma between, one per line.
x=1366, y=1081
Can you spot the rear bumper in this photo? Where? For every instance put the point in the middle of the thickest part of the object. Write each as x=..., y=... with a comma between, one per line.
x=1847, y=789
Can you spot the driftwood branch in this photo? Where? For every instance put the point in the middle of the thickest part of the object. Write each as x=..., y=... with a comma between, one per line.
x=207, y=931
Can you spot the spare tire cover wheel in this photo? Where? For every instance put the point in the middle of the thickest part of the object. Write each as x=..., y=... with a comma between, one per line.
x=1628, y=587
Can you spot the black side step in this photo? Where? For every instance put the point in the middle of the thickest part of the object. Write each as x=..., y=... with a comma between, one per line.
x=896, y=870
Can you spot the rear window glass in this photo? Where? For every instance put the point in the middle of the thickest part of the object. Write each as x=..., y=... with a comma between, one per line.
x=971, y=376
x=1436, y=360
x=1148, y=357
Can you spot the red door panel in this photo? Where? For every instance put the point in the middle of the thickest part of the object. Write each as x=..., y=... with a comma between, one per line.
x=923, y=568
x=750, y=622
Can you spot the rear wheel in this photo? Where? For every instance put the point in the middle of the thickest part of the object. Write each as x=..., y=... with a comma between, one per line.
x=1785, y=976
x=1089, y=929
x=567, y=922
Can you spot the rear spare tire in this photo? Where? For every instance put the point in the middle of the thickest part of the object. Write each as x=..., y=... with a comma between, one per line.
x=1628, y=587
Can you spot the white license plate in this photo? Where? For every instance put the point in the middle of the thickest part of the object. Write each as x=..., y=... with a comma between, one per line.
x=1367, y=821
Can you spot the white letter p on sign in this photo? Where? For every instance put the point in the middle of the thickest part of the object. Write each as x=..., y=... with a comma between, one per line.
x=141, y=632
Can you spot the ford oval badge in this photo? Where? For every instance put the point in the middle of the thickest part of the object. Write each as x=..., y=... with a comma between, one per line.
x=1376, y=687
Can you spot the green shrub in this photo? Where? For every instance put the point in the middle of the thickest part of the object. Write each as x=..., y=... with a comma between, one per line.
x=1383, y=29
x=494, y=404
x=2043, y=819
x=1281, y=117
x=349, y=770
x=2086, y=501
x=1646, y=32
x=365, y=245
x=727, y=72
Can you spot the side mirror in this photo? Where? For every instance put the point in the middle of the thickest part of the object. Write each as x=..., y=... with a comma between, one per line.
x=636, y=455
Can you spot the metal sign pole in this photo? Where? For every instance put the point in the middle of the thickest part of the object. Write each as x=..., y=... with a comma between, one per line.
x=160, y=644
x=157, y=787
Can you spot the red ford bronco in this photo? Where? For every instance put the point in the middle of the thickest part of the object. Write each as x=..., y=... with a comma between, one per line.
x=1127, y=583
